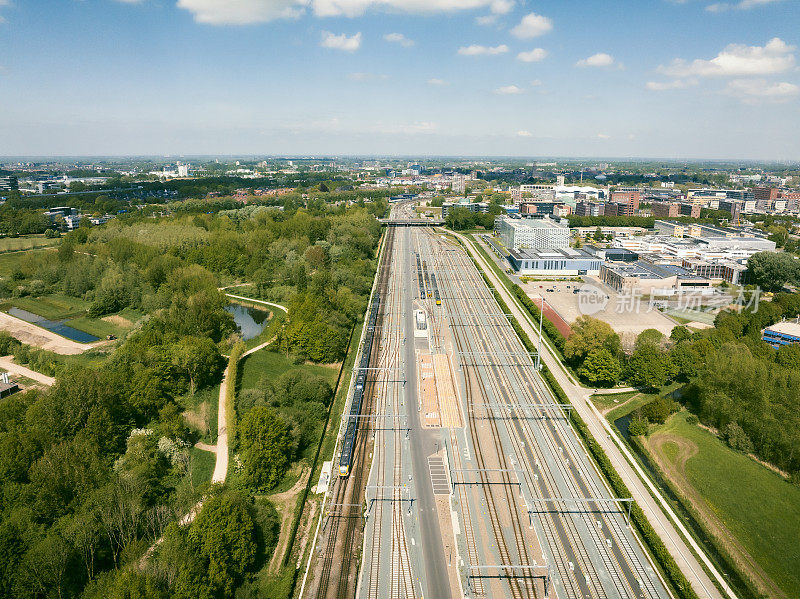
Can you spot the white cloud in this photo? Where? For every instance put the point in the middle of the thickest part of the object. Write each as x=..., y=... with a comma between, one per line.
x=745, y=4
x=477, y=50
x=718, y=7
x=341, y=42
x=658, y=86
x=532, y=25
x=399, y=38
x=501, y=7
x=486, y=20
x=600, y=59
x=756, y=91
x=524, y=133
x=536, y=83
x=508, y=90
x=737, y=60
x=355, y=8
x=438, y=82
x=534, y=55
x=242, y=12
x=603, y=136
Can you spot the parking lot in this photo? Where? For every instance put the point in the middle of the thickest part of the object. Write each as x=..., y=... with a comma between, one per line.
x=626, y=316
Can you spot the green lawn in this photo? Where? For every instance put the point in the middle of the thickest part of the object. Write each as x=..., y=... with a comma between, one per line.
x=15, y=244
x=270, y=364
x=610, y=400
x=759, y=507
x=9, y=260
x=55, y=306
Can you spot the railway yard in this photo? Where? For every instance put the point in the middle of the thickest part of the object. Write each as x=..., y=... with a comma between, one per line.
x=459, y=473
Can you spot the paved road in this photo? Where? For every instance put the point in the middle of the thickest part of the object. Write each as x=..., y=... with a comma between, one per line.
x=7, y=363
x=425, y=443
x=666, y=526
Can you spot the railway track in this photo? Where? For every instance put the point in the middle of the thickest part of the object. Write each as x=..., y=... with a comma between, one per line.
x=585, y=543
x=339, y=564
x=503, y=499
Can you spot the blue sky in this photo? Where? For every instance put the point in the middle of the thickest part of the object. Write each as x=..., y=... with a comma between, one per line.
x=646, y=78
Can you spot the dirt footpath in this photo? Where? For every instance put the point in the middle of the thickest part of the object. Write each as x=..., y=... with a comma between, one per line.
x=30, y=334
x=7, y=363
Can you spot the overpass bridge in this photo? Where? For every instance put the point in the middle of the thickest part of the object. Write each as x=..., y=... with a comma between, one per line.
x=411, y=222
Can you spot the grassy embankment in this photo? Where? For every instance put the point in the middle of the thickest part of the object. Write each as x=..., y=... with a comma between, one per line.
x=747, y=508
x=722, y=493
x=73, y=310
x=28, y=242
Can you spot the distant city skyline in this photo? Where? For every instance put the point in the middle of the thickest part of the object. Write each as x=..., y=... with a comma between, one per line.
x=683, y=80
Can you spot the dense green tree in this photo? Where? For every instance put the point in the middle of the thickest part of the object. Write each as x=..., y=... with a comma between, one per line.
x=601, y=368
x=649, y=367
x=589, y=334
x=772, y=271
x=266, y=446
x=199, y=359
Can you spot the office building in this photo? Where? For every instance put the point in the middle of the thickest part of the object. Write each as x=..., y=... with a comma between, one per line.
x=566, y=262
x=649, y=278
x=459, y=184
x=586, y=208
x=628, y=200
x=689, y=209
x=471, y=206
x=665, y=209
x=537, y=234
x=9, y=183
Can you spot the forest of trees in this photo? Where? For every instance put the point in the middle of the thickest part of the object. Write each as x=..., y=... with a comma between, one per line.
x=96, y=468
x=734, y=382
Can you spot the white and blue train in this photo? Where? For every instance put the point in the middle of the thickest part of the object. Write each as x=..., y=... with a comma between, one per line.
x=348, y=446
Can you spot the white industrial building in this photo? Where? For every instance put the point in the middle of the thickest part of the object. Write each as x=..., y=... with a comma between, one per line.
x=536, y=234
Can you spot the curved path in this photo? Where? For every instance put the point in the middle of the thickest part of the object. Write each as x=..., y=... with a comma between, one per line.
x=7, y=363
x=258, y=301
x=666, y=522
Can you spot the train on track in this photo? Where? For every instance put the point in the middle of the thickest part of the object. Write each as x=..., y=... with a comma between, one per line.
x=349, y=444
x=435, y=287
x=420, y=279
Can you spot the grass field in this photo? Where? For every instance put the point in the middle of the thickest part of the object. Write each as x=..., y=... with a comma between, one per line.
x=757, y=506
x=270, y=364
x=609, y=401
x=15, y=244
x=201, y=412
x=53, y=307
x=9, y=260
x=58, y=306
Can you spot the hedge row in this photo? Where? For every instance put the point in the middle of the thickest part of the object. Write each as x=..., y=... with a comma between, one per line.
x=657, y=548
x=230, y=393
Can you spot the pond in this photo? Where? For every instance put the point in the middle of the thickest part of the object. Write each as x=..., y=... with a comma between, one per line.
x=56, y=326
x=251, y=321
